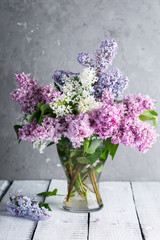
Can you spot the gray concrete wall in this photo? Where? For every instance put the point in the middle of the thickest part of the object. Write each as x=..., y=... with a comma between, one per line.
x=40, y=36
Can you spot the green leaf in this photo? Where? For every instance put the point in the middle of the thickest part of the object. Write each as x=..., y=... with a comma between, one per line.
x=82, y=160
x=153, y=112
x=16, y=128
x=51, y=143
x=86, y=144
x=57, y=87
x=45, y=108
x=104, y=155
x=149, y=115
x=95, y=156
x=39, y=121
x=77, y=184
x=99, y=167
x=118, y=101
x=39, y=105
x=74, y=153
x=49, y=194
x=72, y=194
x=155, y=122
x=46, y=205
x=34, y=115
x=112, y=148
x=95, y=143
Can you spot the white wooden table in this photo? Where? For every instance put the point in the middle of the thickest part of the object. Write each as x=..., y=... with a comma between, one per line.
x=131, y=212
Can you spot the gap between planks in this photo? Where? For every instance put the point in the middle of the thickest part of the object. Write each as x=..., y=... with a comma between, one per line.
x=140, y=226
x=43, y=202
x=147, y=200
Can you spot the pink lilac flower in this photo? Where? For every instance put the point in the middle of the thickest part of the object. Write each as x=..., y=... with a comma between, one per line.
x=135, y=133
x=136, y=104
x=106, y=120
x=107, y=97
x=23, y=206
x=51, y=130
x=49, y=94
x=28, y=94
x=78, y=128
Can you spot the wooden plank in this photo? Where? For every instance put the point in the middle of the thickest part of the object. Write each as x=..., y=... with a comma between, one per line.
x=117, y=220
x=14, y=227
x=147, y=201
x=63, y=225
x=4, y=184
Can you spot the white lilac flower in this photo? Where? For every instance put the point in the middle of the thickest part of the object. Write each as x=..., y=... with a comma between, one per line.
x=88, y=104
x=40, y=144
x=88, y=77
x=22, y=119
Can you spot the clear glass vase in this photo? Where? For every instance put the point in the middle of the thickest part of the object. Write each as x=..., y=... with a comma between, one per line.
x=83, y=172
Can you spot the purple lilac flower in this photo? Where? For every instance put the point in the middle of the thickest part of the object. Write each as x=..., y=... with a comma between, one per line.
x=85, y=60
x=23, y=206
x=79, y=127
x=112, y=80
x=59, y=74
x=103, y=57
x=28, y=94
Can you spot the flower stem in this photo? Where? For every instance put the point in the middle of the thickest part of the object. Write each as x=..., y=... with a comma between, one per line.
x=89, y=188
x=95, y=186
x=83, y=191
x=72, y=182
x=81, y=194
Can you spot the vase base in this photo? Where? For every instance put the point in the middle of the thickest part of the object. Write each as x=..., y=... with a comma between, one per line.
x=73, y=210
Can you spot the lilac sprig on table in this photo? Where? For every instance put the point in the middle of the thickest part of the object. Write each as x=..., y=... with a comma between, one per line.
x=23, y=206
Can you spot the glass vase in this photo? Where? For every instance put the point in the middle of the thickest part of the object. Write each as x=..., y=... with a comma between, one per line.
x=83, y=172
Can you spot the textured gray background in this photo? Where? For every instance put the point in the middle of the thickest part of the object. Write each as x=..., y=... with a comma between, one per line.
x=41, y=36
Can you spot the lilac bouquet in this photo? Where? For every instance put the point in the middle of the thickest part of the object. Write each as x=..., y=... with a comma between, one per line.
x=85, y=115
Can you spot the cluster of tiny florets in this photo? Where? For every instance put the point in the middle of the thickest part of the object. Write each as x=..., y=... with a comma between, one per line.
x=28, y=94
x=106, y=121
x=23, y=206
x=134, y=133
x=79, y=127
x=50, y=131
x=112, y=80
x=136, y=104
